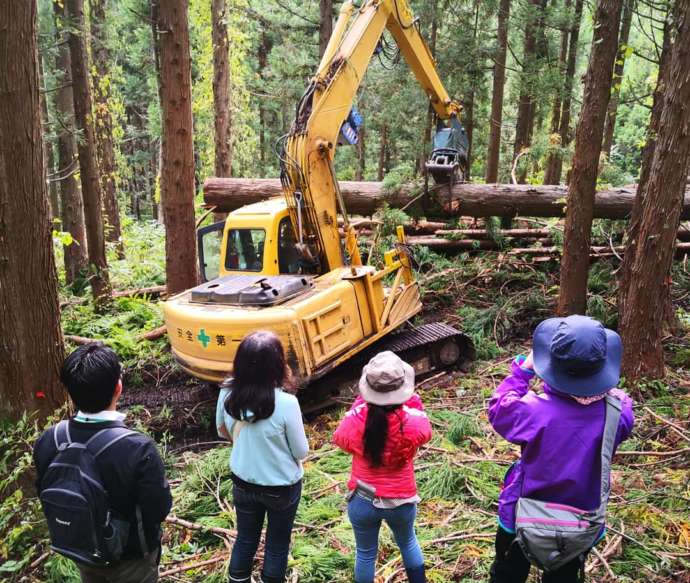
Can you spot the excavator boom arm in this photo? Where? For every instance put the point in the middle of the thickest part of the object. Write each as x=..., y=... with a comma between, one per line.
x=309, y=183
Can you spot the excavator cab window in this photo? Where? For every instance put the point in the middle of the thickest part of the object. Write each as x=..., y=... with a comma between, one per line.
x=288, y=255
x=245, y=250
x=209, y=240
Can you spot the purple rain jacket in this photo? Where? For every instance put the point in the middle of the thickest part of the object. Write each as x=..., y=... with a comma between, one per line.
x=560, y=441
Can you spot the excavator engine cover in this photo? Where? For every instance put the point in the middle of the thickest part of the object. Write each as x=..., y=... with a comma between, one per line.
x=251, y=290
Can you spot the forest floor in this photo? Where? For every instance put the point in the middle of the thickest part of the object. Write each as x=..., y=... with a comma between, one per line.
x=497, y=300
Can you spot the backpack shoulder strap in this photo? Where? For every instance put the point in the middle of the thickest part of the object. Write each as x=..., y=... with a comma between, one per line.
x=104, y=438
x=612, y=418
x=61, y=433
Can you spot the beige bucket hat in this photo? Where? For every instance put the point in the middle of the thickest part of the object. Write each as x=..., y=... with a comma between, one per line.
x=386, y=380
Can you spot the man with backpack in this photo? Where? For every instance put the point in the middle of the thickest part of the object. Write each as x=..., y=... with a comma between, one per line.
x=102, y=486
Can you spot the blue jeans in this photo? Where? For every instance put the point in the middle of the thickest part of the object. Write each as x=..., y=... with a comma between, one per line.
x=252, y=505
x=366, y=522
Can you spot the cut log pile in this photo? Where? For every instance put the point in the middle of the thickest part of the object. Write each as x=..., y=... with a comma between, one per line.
x=474, y=200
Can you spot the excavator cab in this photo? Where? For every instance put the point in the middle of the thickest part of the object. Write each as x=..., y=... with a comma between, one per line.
x=448, y=162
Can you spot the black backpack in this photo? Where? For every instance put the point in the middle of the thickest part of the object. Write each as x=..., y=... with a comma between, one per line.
x=81, y=522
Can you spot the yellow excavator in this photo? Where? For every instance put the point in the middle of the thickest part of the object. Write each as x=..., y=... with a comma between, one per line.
x=283, y=264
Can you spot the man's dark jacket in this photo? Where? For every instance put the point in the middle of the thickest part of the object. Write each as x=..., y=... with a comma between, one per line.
x=132, y=472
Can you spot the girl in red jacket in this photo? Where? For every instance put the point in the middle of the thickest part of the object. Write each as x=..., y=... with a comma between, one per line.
x=383, y=430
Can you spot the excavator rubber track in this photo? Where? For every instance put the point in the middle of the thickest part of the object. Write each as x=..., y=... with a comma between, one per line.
x=431, y=347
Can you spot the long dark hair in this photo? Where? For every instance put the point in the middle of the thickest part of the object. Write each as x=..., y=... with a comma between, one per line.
x=259, y=368
x=376, y=432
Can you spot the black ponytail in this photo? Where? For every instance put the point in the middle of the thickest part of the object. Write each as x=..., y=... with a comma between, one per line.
x=376, y=432
x=258, y=369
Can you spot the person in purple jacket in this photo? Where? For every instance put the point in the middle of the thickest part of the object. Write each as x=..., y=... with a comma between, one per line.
x=559, y=430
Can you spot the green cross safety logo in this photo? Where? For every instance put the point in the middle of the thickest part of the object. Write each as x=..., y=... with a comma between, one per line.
x=204, y=338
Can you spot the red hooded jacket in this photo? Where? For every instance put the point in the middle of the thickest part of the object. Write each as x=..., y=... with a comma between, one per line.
x=408, y=429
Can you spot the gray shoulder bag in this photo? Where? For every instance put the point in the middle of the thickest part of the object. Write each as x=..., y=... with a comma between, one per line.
x=552, y=534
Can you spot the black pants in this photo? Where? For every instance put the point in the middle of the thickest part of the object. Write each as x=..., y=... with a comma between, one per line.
x=511, y=565
x=253, y=504
x=141, y=570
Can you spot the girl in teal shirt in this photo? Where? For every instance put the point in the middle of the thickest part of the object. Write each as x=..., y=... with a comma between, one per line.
x=269, y=444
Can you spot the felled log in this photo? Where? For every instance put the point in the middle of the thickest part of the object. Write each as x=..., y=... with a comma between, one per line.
x=451, y=245
x=477, y=200
x=457, y=245
x=506, y=233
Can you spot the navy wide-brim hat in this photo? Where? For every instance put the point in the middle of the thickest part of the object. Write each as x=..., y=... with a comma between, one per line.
x=577, y=355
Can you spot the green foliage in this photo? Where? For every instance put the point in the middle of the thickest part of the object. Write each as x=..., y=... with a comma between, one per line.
x=390, y=219
x=398, y=176
x=320, y=563
x=23, y=531
x=462, y=427
x=59, y=569
x=144, y=265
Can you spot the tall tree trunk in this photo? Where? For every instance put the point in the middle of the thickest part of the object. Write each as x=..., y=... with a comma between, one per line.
x=264, y=49
x=361, y=167
x=633, y=231
x=618, y=70
x=221, y=90
x=155, y=45
x=428, y=126
x=221, y=94
x=48, y=153
x=554, y=165
x=468, y=106
x=102, y=82
x=325, y=24
x=554, y=138
x=383, y=153
x=469, y=100
x=661, y=203
x=177, y=150
x=31, y=350
x=72, y=211
x=104, y=123
x=530, y=65
x=86, y=146
x=572, y=298
x=494, y=151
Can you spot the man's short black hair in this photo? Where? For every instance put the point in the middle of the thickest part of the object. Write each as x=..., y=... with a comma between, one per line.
x=91, y=374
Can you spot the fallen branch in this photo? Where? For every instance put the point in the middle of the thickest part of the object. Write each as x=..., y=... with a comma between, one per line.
x=152, y=291
x=154, y=334
x=655, y=453
x=459, y=536
x=196, y=526
x=36, y=562
x=677, y=428
x=603, y=561
x=184, y=568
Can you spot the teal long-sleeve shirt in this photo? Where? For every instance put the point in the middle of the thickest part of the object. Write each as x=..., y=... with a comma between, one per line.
x=268, y=452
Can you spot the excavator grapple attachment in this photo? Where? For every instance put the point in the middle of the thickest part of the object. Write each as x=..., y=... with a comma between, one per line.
x=448, y=161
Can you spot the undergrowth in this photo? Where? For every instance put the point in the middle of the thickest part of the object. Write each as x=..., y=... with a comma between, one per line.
x=497, y=301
